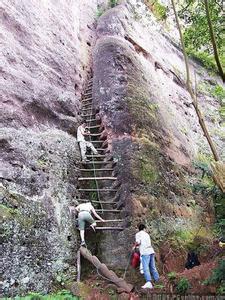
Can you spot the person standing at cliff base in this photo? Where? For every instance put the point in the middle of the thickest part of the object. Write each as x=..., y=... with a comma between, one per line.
x=84, y=211
x=143, y=241
x=81, y=133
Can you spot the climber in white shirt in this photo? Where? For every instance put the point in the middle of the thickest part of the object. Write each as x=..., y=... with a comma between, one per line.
x=84, y=211
x=143, y=241
x=81, y=133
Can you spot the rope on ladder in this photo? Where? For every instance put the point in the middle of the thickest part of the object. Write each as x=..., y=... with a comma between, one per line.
x=93, y=164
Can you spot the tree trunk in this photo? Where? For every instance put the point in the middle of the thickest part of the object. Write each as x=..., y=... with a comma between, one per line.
x=189, y=87
x=105, y=272
x=213, y=40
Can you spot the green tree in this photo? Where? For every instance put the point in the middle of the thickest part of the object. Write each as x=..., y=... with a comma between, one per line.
x=190, y=90
x=204, y=31
x=213, y=40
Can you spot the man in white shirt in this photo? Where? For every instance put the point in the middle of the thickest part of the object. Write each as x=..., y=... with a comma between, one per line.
x=81, y=133
x=84, y=215
x=143, y=241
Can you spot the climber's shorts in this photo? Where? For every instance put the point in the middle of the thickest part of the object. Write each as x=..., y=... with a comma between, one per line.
x=84, y=216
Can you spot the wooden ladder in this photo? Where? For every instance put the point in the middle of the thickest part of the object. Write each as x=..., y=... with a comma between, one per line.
x=97, y=175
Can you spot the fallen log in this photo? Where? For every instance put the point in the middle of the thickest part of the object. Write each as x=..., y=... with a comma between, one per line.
x=105, y=272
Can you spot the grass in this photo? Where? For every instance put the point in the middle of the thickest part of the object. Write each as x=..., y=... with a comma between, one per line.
x=61, y=295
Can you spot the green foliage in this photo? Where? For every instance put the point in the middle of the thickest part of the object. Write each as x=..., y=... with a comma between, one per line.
x=99, y=12
x=182, y=286
x=158, y=9
x=60, y=295
x=219, y=92
x=159, y=286
x=206, y=186
x=113, y=3
x=148, y=172
x=172, y=276
x=196, y=35
x=218, y=277
x=205, y=59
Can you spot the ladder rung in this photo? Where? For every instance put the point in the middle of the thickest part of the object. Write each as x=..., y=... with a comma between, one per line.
x=108, y=210
x=102, y=149
x=95, y=201
x=97, y=162
x=96, y=155
x=98, y=141
x=84, y=109
x=109, y=228
x=97, y=134
x=115, y=220
x=87, y=94
x=86, y=99
x=94, y=127
x=87, y=104
x=90, y=115
x=95, y=190
x=93, y=120
x=97, y=178
x=91, y=170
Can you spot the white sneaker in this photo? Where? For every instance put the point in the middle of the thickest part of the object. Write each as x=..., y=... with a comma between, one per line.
x=147, y=285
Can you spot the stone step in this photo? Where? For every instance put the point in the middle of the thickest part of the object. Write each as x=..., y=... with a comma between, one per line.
x=96, y=178
x=95, y=190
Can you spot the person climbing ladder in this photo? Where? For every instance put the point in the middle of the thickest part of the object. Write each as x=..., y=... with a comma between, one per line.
x=84, y=215
x=81, y=133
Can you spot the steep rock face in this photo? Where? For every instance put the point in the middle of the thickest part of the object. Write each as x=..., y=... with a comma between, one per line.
x=45, y=60
x=153, y=129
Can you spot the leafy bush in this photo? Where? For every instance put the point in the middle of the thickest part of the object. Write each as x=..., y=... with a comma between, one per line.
x=172, y=276
x=218, y=277
x=196, y=36
x=61, y=295
x=182, y=286
x=218, y=91
x=205, y=59
x=113, y=3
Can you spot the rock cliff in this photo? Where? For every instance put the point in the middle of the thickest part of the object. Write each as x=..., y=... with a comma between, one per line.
x=139, y=89
x=45, y=60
